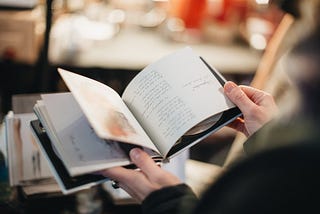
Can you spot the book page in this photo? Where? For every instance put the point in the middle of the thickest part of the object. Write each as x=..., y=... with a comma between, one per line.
x=28, y=163
x=34, y=164
x=77, y=144
x=105, y=110
x=172, y=95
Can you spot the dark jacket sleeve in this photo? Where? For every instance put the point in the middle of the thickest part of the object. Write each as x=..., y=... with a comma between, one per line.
x=174, y=199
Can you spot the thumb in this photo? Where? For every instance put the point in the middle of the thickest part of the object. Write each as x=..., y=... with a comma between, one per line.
x=143, y=161
x=237, y=96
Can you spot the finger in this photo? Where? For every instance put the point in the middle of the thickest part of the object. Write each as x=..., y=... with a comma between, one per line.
x=126, y=177
x=116, y=173
x=262, y=99
x=256, y=95
x=143, y=161
x=238, y=96
x=238, y=125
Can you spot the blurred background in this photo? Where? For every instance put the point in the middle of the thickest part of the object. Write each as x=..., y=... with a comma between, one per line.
x=112, y=40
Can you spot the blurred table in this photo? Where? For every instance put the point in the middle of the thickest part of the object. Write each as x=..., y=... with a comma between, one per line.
x=134, y=47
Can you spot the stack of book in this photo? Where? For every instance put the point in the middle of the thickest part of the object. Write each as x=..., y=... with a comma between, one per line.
x=27, y=166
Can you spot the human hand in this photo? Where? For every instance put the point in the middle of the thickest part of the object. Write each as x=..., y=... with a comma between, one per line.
x=257, y=107
x=140, y=183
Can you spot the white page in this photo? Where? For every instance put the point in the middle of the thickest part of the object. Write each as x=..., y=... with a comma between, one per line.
x=34, y=164
x=14, y=151
x=81, y=148
x=26, y=161
x=174, y=94
x=105, y=110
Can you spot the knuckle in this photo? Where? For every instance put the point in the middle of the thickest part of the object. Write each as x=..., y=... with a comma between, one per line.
x=254, y=110
x=267, y=99
x=266, y=96
x=238, y=95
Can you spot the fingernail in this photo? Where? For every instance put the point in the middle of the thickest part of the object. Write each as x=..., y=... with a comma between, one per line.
x=229, y=86
x=135, y=153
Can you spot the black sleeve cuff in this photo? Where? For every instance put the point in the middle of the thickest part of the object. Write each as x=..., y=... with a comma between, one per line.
x=173, y=199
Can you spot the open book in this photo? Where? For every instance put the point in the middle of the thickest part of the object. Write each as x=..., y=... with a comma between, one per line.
x=169, y=106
